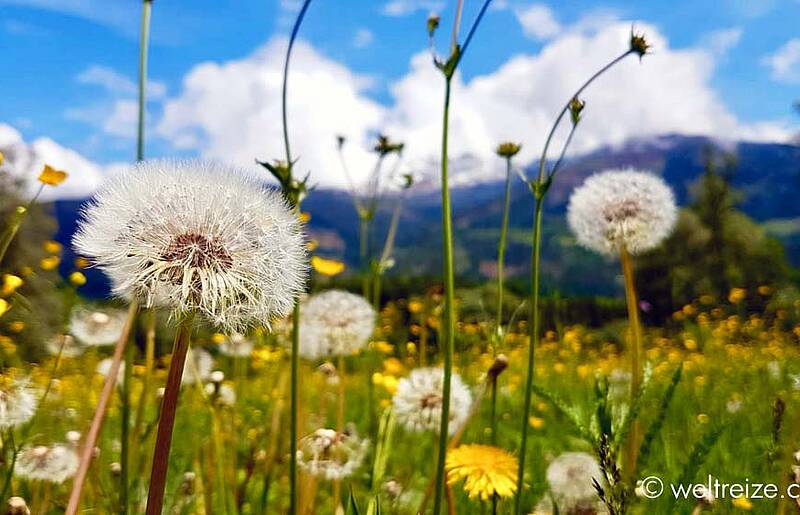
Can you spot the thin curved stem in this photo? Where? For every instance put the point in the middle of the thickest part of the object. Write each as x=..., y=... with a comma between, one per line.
x=295, y=30
x=601, y=71
x=472, y=30
x=144, y=38
x=501, y=253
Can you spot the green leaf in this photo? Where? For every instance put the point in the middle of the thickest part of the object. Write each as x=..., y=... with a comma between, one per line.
x=566, y=411
x=658, y=423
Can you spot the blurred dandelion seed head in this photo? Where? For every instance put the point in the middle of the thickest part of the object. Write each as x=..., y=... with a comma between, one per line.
x=331, y=455
x=199, y=366
x=418, y=400
x=18, y=402
x=334, y=323
x=197, y=236
x=54, y=464
x=622, y=208
x=236, y=346
x=570, y=477
x=97, y=328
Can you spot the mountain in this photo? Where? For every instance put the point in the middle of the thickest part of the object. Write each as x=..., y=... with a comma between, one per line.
x=767, y=175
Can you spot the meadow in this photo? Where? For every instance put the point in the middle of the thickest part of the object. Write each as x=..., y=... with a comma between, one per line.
x=235, y=369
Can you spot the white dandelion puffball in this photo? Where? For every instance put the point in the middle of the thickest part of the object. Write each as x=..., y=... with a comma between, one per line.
x=54, y=464
x=197, y=236
x=333, y=323
x=64, y=344
x=236, y=346
x=18, y=403
x=418, y=400
x=104, y=368
x=331, y=455
x=198, y=368
x=570, y=477
x=97, y=327
x=622, y=208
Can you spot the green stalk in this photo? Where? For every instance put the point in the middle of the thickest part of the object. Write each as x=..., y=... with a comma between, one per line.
x=449, y=308
x=501, y=252
x=363, y=246
x=144, y=37
x=534, y=342
x=296, y=313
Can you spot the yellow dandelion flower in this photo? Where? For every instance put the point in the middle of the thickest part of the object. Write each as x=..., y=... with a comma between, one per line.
x=305, y=216
x=415, y=306
x=51, y=176
x=49, y=263
x=81, y=263
x=383, y=347
x=52, y=247
x=536, y=422
x=218, y=338
x=16, y=326
x=393, y=366
x=390, y=383
x=486, y=470
x=10, y=284
x=737, y=295
x=2, y=158
x=743, y=503
x=328, y=267
x=411, y=348
x=77, y=278
x=4, y=307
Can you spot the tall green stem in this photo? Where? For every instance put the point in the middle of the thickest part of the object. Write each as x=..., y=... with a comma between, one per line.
x=144, y=38
x=501, y=252
x=635, y=349
x=534, y=342
x=449, y=306
x=363, y=251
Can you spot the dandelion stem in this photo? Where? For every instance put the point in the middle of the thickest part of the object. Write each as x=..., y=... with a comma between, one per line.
x=99, y=414
x=501, y=253
x=144, y=38
x=337, y=484
x=534, y=342
x=296, y=312
x=166, y=420
x=11, y=230
x=635, y=349
x=449, y=322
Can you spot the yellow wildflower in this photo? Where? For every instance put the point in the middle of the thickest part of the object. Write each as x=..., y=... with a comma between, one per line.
x=4, y=307
x=218, y=338
x=10, y=284
x=2, y=158
x=77, y=278
x=49, y=263
x=743, y=503
x=390, y=383
x=486, y=470
x=16, y=326
x=328, y=267
x=736, y=295
x=305, y=216
x=51, y=176
x=536, y=422
x=52, y=247
x=311, y=245
x=415, y=306
x=81, y=263
x=393, y=366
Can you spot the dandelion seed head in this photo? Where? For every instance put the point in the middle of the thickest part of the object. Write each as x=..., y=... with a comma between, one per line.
x=54, y=464
x=570, y=477
x=65, y=344
x=198, y=367
x=418, y=400
x=333, y=323
x=96, y=327
x=236, y=346
x=197, y=236
x=331, y=455
x=104, y=368
x=622, y=208
x=18, y=402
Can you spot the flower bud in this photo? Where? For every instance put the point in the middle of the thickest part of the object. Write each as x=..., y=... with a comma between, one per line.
x=507, y=149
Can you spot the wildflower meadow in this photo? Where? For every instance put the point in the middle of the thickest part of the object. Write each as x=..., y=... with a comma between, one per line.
x=207, y=337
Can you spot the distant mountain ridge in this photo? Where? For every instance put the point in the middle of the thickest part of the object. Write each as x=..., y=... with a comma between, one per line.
x=767, y=175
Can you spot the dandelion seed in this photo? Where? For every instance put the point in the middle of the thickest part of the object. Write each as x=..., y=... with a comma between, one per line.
x=18, y=402
x=487, y=471
x=333, y=323
x=331, y=455
x=571, y=479
x=222, y=393
x=418, y=400
x=97, y=328
x=65, y=344
x=620, y=208
x=54, y=464
x=104, y=368
x=197, y=237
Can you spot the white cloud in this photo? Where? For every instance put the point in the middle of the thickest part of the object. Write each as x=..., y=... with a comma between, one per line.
x=785, y=62
x=231, y=111
x=363, y=38
x=719, y=42
x=25, y=161
x=406, y=7
x=537, y=21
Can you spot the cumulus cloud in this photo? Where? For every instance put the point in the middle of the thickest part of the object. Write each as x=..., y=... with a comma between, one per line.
x=25, y=160
x=537, y=21
x=231, y=110
x=406, y=7
x=784, y=63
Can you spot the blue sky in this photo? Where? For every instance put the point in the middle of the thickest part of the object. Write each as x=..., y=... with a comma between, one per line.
x=70, y=64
